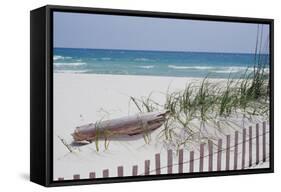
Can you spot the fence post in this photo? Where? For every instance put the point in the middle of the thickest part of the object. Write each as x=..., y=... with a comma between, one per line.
x=157, y=164
x=263, y=141
x=105, y=173
x=146, y=167
x=235, y=150
x=201, y=165
x=227, y=152
x=191, y=161
x=210, y=145
x=92, y=175
x=243, y=148
x=76, y=176
x=170, y=161
x=120, y=171
x=181, y=161
x=135, y=170
x=219, y=155
x=250, y=146
x=257, y=144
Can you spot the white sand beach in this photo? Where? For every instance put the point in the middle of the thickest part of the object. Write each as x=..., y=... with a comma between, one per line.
x=86, y=98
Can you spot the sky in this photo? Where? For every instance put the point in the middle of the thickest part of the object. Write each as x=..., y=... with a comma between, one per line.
x=83, y=30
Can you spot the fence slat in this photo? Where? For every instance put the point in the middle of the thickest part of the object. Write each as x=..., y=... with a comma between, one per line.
x=120, y=171
x=181, y=161
x=227, y=152
x=170, y=161
x=250, y=146
x=191, y=161
x=210, y=145
x=235, y=150
x=105, y=173
x=257, y=143
x=76, y=176
x=243, y=148
x=135, y=170
x=92, y=175
x=264, y=141
x=201, y=165
x=157, y=164
x=146, y=167
x=219, y=154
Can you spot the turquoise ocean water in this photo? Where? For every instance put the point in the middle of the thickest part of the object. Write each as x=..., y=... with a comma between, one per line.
x=153, y=63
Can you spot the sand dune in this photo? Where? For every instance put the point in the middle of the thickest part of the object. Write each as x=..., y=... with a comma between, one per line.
x=84, y=98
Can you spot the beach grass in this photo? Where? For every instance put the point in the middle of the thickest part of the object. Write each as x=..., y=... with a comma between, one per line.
x=208, y=103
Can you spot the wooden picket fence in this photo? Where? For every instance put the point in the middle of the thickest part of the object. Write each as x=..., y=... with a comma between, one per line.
x=224, y=156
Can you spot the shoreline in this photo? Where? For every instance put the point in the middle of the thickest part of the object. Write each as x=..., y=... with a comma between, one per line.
x=137, y=76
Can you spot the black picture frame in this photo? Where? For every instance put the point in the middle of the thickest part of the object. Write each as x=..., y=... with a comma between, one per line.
x=41, y=99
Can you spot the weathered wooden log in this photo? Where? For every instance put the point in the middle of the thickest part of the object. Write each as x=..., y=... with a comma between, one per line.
x=130, y=125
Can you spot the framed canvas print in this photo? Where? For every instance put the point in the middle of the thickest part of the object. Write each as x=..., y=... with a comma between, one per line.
x=120, y=95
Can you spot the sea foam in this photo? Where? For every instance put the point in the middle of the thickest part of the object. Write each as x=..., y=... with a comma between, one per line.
x=190, y=67
x=59, y=57
x=69, y=64
x=146, y=66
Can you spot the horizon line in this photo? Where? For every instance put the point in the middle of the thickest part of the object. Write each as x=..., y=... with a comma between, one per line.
x=183, y=51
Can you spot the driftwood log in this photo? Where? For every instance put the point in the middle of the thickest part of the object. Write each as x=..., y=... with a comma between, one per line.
x=130, y=125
